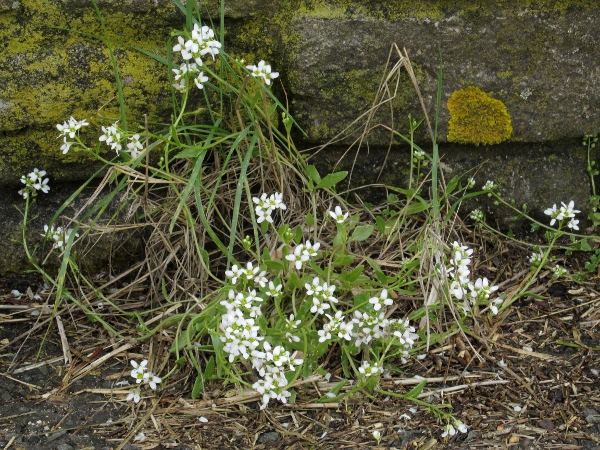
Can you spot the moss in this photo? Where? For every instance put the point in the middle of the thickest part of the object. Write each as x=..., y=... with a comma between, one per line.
x=476, y=118
x=50, y=73
x=431, y=10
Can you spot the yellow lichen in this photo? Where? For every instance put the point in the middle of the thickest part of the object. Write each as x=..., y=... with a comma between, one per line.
x=476, y=118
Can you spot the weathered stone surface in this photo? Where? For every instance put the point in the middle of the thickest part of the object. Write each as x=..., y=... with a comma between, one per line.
x=541, y=62
x=49, y=74
x=538, y=57
x=535, y=175
x=93, y=255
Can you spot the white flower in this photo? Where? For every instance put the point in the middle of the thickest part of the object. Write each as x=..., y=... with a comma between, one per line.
x=276, y=200
x=471, y=183
x=338, y=215
x=572, y=224
x=559, y=271
x=235, y=273
x=59, y=236
x=449, y=431
x=457, y=289
x=488, y=186
x=152, y=380
x=536, y=258
x=369, y=370
x=380, y=301
x=494, y=305
x=263, y=71
x=71, y=127
x=139, y=370
x=34, y=181
x=202, y=42
x=298, y=257
x=477, y=215
x=200, y=79
x=568, y=211
x=275, y=291
x=482, y=289
x=65, y=147
x=553, y=213
x=134, y=395
x=311, y=249
x=263, y=215
x=134, y=146
x=112, y=137
x=460, y=426
x=42, y=185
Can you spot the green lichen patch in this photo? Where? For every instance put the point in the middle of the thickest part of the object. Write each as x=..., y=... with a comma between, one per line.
x=476, y=118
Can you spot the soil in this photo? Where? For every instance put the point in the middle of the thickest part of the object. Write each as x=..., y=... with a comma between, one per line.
x=530, y=380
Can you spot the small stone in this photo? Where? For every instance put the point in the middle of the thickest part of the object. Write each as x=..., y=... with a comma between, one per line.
x=269, y=436
x=64, y=447
x=592, y=418
x=546, y=424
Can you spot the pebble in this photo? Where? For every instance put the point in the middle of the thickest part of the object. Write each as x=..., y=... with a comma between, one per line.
x=64, y=447
x=269, y=436
x=546, y=424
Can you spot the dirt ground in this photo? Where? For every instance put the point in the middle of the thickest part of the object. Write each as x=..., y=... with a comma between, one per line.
x=529, y=380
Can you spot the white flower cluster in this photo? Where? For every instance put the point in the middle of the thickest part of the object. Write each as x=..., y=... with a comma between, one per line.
x=337, y=326
x=559, y=271
x=57, y=235
x=34, y=181
x=369, y=326
x=69, y=129
x=179, y=75
x=134, y=146
x=141, y=375
x=562, y=213
x=322, y=295
x=241, y=333
x=451, y=431
x=462, y=288
x=536, y=258
x=477, y=215
x=263, y=71
x=302, y=253
x=112, y=137
x=202, y=42
x=266, y=205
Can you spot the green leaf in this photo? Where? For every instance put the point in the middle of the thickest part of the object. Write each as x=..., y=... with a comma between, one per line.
x=361, y=233
x=352, y=276
x=210, y=368
x=274, y=266
x=190, y=153
x=452, y=185
x=414, y=392
x=295, y=281
x=343, y=260
x=310, y=220
x=332, y=179
x=380, y=223
x=313, y=174
x=198, y=386
x=392, y=198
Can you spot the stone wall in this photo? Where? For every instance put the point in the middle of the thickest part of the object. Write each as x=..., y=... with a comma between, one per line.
x=538, y=57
